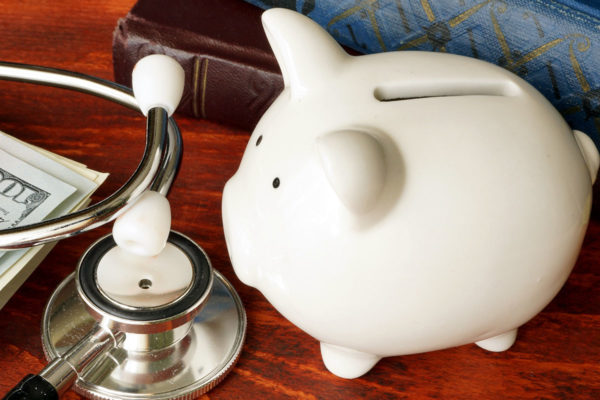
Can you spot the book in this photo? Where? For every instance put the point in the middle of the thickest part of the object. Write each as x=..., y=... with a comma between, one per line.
x=231, y=73
x=552, y=44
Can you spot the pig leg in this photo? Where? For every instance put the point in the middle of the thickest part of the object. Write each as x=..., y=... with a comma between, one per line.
x=345, y=362
x=499, y=343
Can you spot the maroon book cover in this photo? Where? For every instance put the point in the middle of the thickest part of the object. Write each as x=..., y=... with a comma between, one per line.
x=231, y=73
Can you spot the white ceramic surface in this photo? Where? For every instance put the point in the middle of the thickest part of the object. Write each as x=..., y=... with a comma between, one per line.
x=404, y=202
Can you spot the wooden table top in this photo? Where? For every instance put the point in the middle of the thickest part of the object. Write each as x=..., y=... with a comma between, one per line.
x=557, y=353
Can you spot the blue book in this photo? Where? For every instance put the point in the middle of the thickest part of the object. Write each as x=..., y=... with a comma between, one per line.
x=554, y=45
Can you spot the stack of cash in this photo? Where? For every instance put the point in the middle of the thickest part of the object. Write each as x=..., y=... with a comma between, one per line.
x=36, y=185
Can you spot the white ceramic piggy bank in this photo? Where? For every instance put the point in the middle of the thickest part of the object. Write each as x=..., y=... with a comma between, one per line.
x=404, y=202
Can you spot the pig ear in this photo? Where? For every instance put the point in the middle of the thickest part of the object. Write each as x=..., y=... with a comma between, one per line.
x=354, y=163
x=306, y=53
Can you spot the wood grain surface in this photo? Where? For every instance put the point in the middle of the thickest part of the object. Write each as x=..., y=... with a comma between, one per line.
x=556, y=356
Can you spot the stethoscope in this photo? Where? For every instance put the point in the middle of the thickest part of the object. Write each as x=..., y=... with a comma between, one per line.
x=113, y=346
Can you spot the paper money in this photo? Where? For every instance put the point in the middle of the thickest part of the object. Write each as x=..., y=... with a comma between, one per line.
x=61, y=168
x=27, y=194
x=20, y=198
x=76, y=181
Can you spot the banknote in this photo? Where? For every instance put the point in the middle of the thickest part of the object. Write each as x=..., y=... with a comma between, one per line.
x=76, y=174
x=20, y=197
x=65, y=170
x=17, y=265
x=27, y=194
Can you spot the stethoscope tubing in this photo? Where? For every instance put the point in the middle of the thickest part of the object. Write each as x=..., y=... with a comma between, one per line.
x=156, y=170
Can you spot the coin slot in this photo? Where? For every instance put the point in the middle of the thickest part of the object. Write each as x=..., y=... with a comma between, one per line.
x=426, y=90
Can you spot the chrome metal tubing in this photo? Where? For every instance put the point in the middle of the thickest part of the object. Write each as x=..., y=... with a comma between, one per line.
x=167, y=173
x=64, y=370
x=156, y=170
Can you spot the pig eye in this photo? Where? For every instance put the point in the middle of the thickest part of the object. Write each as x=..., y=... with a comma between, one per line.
x=259, y=140
x=276, y=183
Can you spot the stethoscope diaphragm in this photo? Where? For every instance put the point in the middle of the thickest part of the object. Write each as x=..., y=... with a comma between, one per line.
x=179, y=350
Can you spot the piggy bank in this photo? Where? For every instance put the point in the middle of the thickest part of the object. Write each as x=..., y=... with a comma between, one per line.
x=404, y=202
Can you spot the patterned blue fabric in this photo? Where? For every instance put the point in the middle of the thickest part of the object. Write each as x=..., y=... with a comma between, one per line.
x=591, y=7
x=553, y=45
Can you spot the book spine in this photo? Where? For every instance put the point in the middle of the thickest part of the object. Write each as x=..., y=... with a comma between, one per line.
x=554, y=45
x=218, y=87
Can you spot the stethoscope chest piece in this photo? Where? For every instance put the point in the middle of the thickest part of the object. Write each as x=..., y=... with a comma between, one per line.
x=179, y=346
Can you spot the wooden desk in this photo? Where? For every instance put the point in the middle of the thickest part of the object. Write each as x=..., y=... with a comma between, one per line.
x=557, y=354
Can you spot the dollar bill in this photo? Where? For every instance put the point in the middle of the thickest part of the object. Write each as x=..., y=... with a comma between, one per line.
x=78, y=175
x=60, y=168
x=19, y=197
x=27, y=194
x=53, y=171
